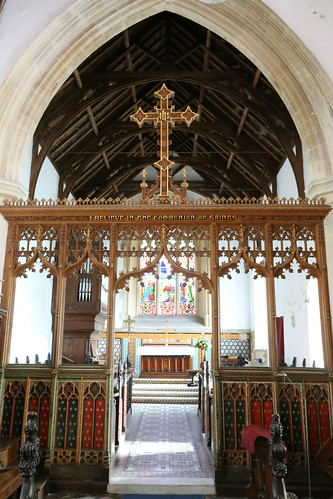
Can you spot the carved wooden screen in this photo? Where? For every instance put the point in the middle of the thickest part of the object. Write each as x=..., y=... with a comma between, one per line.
x=123, y=240
x=167, y=260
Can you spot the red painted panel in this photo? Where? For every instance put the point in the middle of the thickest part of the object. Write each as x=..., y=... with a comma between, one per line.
x=99, y=424
x=88, y=415
x=268, y=411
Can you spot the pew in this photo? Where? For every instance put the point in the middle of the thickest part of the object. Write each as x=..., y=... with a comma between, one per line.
x=205, y=401
x=256, y=440
x=122, y=397
x=10, y=477
x=323, y=460
x=261, y=472
x=268, y=465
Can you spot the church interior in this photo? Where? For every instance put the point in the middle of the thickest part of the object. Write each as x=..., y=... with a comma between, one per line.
x=166, y=274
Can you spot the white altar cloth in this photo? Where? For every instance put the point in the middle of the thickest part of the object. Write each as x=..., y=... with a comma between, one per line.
x=163, y=350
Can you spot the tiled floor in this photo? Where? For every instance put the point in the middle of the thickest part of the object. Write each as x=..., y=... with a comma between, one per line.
x=163, y=441
x=164, y=446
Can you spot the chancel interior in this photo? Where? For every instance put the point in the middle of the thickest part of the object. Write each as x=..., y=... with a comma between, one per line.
x=178, y=244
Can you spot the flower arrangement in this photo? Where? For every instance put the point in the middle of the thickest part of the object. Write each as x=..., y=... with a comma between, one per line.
x=202, y=344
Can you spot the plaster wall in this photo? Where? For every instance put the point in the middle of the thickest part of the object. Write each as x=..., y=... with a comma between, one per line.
x=32, y=320
x=243, y=305
x=286, y=183
x=47, y=184
x=298, y=302
x=311, y=21
x=235, y=301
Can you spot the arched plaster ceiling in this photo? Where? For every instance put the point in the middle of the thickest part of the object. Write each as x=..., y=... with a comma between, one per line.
x=243, y=136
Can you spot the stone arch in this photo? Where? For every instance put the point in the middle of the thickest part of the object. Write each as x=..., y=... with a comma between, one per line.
x=71, y=37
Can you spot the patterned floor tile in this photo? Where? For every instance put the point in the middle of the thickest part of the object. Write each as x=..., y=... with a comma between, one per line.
x=164, y=441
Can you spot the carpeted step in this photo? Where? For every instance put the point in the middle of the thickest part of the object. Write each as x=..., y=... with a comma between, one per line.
x=167, y=388
x=168, y=393
x=150, y=400
x=164, y=381
x=164, y=391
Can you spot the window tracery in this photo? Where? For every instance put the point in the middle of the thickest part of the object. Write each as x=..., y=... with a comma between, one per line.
x=167, y=293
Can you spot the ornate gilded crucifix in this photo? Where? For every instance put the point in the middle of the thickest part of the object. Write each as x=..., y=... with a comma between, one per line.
x=164, y=116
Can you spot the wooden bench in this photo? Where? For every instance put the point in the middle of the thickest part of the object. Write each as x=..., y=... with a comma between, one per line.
x=324, y=458
x=41, y=486
x=10, y=477
x=10, y=482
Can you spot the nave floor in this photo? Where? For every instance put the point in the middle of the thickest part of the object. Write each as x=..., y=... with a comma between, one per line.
x=163, y=452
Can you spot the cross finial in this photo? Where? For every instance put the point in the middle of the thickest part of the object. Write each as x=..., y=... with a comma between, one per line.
x=129, y=321
x=165, y=116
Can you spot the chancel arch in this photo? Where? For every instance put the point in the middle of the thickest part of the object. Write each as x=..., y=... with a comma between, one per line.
x=94, y=227
x=301, y=84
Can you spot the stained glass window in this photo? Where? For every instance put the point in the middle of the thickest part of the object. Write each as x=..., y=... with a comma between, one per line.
x=167, y=289
x=147, y=290
x=186, y=295
x=170, y=294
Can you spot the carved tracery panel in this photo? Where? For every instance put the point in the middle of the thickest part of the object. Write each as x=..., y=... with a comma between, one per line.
x=37, y=242
x=88, y=241
x=137, y=242
x=242, y=242
x=261, y=404
x=294, y=242
x=140, y=250
x=13, y=409
x=318, y=414
x=182, y=242
x=291, y=413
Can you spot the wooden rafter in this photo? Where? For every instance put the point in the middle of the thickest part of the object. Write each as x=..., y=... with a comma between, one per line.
x=243, y=137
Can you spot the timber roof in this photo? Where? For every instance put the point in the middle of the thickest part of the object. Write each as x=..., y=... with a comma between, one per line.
x=236, y=148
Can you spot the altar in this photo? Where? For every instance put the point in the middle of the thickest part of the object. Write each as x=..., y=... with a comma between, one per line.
x=165, y=361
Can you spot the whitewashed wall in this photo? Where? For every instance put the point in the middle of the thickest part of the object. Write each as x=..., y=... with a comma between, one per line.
x=47, y=184
x=32, y=321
